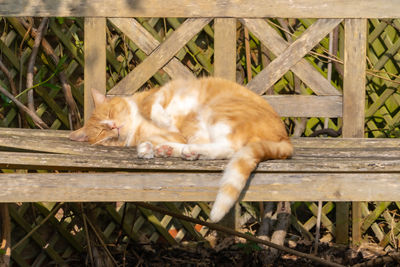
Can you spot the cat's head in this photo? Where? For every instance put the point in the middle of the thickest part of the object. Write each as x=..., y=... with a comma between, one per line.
x=108, y=123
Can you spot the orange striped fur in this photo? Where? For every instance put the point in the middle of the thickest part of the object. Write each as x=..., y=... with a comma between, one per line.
x=208, y=118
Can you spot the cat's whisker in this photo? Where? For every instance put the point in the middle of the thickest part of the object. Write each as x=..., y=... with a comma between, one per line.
x=102, y=140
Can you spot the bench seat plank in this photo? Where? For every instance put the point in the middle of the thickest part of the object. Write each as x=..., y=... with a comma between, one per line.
x=331, y=168
x=172, y=186
x=334, y=163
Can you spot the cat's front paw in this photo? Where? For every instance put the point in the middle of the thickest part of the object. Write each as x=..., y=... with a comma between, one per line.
x=189, y=154
x=145, y=150
x=164, y=151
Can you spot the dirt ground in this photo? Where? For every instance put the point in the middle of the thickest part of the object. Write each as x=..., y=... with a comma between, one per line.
x=246, y=255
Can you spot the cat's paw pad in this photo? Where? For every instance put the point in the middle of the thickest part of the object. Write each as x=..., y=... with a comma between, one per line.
x=163, y=151
x=145, y=150
x=188, y=154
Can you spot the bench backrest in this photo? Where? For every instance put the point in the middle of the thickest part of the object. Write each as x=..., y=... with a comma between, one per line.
x=327, y=101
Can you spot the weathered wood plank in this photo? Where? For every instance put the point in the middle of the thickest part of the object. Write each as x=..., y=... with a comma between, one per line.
x=225, y=48
x=95, y=61
x=204, y=8
x=306, y=105
x=304, y=70
x=58, y=145
x=225, y=67
x=294, y=53
x=309, y=161
x=34, y=132
x=146, y=42
x=159, y=57
x=62, y=136
x=355, y=42
x=106, y=187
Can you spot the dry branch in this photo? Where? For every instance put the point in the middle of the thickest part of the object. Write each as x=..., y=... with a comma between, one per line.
x=36, y=119
x=4, y=69
x=32, y=60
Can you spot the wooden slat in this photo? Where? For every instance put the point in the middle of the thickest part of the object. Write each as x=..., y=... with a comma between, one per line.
x=354, y=77
x=355, y=42
x=295, y=52
x=307, y=161
x=159, y=57
x=95, y=60
x=303, y=69
x=14, y=136
x=306, y=106
x=225, y=67
x=204, y=8
x=106, y=187
x=225, y=48
x=146, y=42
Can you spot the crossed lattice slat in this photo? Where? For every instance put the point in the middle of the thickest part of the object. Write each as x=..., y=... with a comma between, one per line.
x=305, y=228
x=384, y=226
x=382, y=54
x=159, y=57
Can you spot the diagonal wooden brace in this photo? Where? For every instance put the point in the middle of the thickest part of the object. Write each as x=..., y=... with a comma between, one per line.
x=291, y=56
x=159, y=57
x=147, y=43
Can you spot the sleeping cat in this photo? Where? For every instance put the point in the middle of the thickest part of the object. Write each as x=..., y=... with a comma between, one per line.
x=207, y=118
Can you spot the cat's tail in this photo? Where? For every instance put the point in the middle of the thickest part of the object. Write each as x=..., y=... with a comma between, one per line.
x=239, y=168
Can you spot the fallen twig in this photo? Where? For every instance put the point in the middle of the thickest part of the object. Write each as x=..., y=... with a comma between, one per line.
x=89, y=247
x=101, y=241
x=36, y=119
x=218, y=227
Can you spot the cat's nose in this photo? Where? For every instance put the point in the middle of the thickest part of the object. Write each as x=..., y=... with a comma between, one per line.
x=113, y=126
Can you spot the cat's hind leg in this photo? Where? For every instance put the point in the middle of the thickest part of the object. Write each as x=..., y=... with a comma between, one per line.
x=163, y=145
x=207, y=151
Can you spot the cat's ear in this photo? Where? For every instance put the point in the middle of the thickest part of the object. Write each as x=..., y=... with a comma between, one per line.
x=98, y=97
x=79, y=135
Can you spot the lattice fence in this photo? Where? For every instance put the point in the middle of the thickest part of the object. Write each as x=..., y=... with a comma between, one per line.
x=63, y=237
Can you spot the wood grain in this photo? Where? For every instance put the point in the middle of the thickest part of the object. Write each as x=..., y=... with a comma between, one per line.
x=225, y=48
x=95, y=61
x=37, y=149
x=203, y=8
x=294, y=53
x=146, y=42
x=303, y=69
x=159, y=57
x=306, y=105
x=34, y=187
x=337, y=169
x=303, y=161
x=355, y=43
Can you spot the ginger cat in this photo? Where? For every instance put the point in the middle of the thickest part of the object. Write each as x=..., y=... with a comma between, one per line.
x=207, y=118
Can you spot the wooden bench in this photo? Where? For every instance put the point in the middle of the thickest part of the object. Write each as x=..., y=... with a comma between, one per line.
x=342, y=169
